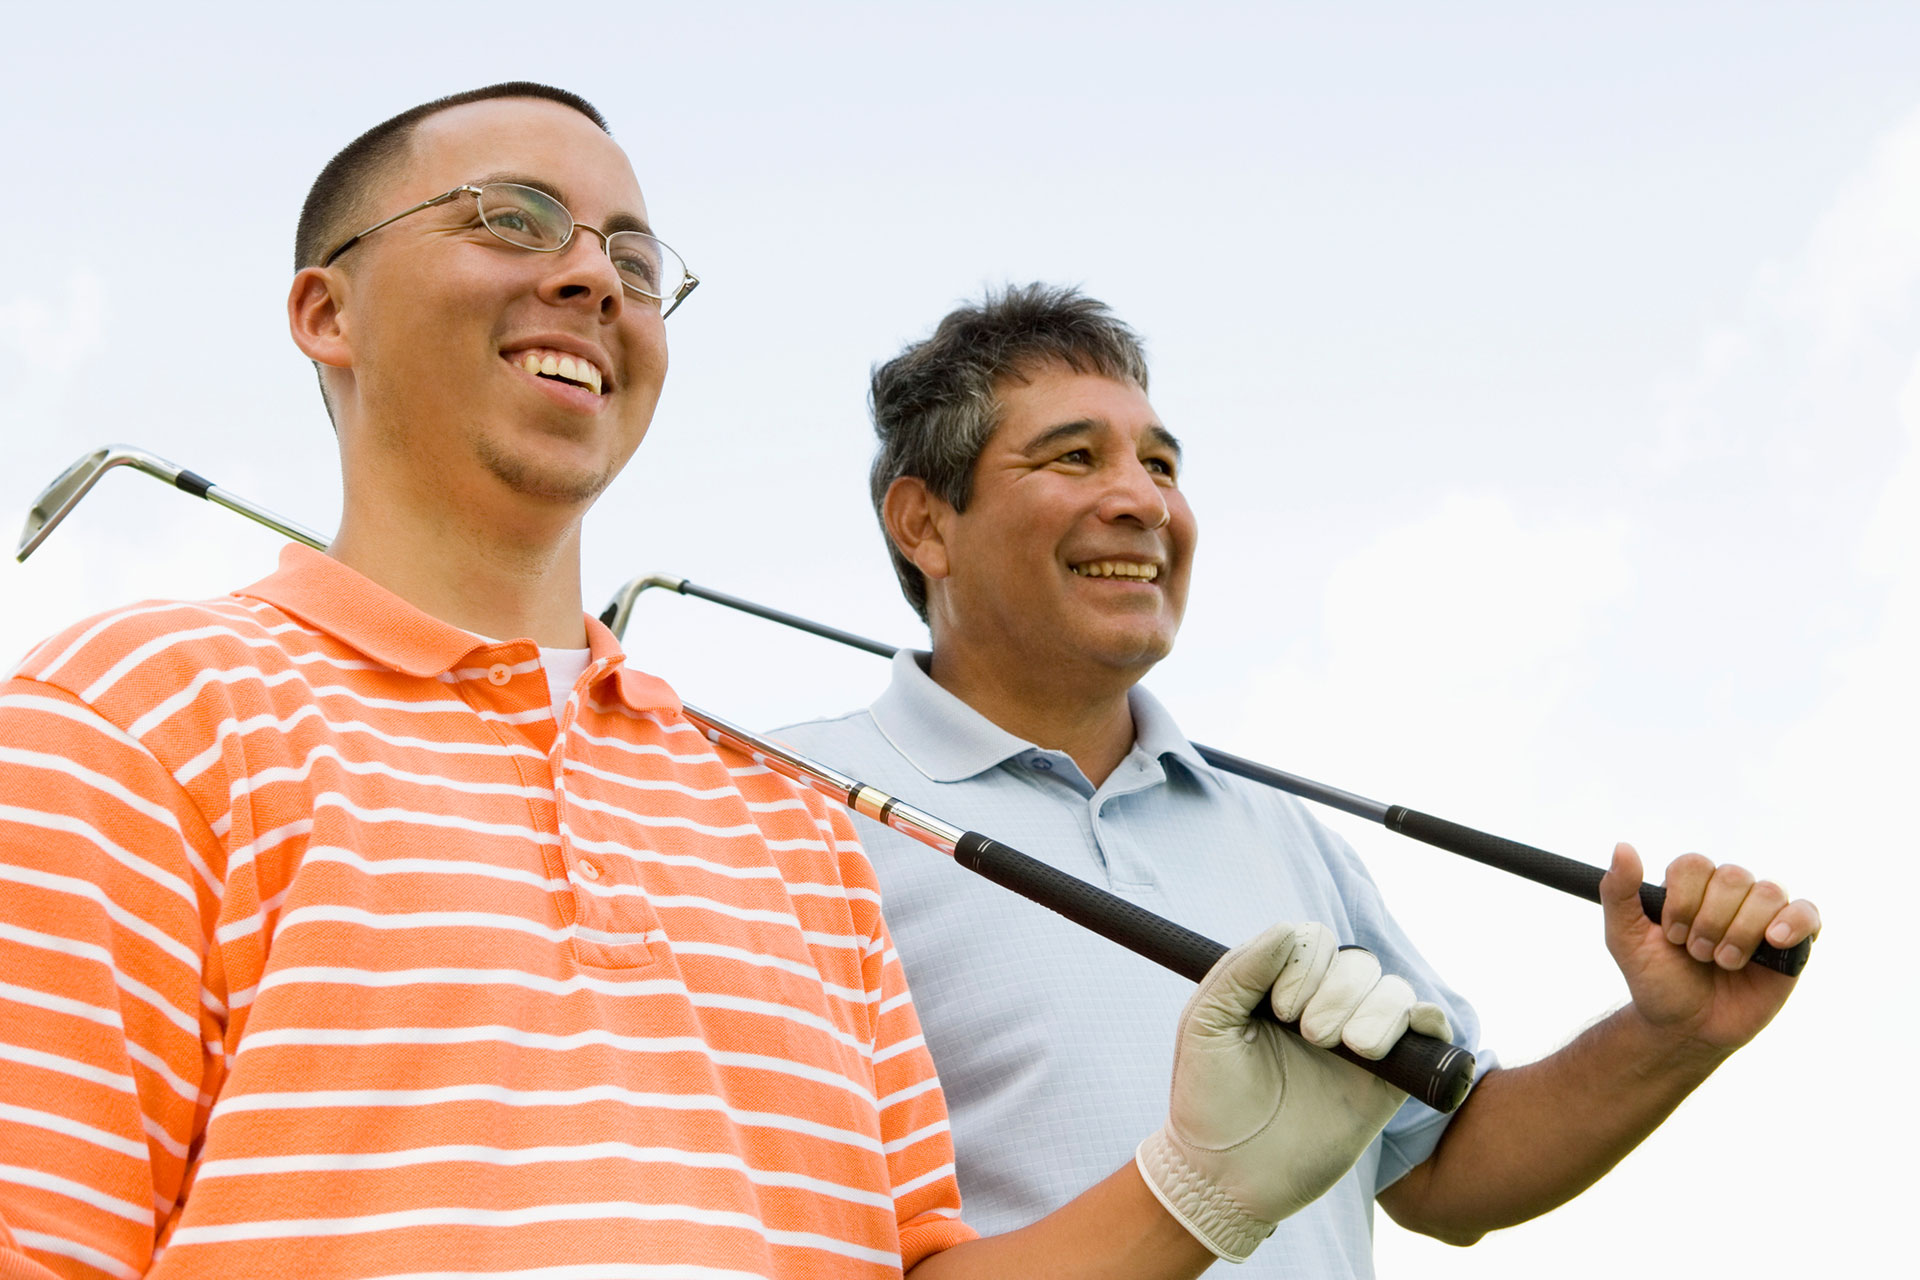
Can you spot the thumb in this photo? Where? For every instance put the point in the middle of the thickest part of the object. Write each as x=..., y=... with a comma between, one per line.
x=1240, y=980
x=1620, y=892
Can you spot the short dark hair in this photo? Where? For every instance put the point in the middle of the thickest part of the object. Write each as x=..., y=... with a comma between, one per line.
x=341, y=191
x=936, y=404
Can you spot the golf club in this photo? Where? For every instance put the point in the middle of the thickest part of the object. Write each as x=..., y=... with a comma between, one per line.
x=1580, y=879
x=64, y=494
x=1437, y=1073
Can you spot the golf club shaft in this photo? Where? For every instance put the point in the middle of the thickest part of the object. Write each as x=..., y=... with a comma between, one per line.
x=286, y=528
x=201, y=487
x=1568, y=875
x=1437, y=1073
x=65, y=493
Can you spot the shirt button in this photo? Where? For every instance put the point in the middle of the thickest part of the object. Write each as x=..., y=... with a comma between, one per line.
x=498, y=673
x=1043, y=764
x=588, y=870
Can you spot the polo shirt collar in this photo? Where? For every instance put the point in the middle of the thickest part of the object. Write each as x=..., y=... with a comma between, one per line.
x=949, y=741
x=1156, y=734
x=322, y=592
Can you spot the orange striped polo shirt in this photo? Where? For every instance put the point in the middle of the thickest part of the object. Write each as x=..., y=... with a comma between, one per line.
x=326, y=951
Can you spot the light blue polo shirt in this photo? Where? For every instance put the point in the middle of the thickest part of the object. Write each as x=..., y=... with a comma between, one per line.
x=1054, y=1045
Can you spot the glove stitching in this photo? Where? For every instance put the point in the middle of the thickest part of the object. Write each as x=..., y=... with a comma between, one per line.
x=1222, y=1222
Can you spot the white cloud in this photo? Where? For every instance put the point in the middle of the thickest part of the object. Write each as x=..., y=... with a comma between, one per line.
x=1821, y=373
x=1820, y=335
x=1837, y=779
x=1470, y=625
x=1863, y=259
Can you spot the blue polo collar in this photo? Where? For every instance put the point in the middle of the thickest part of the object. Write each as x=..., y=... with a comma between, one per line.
x=949, y=741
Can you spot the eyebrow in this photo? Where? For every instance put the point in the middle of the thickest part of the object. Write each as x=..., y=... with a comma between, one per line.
x=1080, y=426
x=616, y=222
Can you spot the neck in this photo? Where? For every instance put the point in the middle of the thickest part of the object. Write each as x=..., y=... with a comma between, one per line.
x=467, y=566
x=1084, y=714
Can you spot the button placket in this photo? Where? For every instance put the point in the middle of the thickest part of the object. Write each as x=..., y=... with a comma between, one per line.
x=1127, y=866
x=601, y=885
x=579, y=868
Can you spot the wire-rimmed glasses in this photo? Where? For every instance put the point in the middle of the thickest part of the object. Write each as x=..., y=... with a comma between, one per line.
x=529, y=218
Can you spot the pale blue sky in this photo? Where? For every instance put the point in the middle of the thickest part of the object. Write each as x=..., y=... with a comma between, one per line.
x=1550, y=382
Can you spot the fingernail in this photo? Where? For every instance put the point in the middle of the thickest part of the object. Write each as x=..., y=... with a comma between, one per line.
x=1779, y=933
x=1677, y=935
x=1701, y=950
x=1728, y=957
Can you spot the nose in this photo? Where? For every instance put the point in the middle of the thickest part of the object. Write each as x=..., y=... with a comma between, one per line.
x=583, y=274
x=1134, y=494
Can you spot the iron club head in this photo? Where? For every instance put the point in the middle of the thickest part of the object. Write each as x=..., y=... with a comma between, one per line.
x=64, y=494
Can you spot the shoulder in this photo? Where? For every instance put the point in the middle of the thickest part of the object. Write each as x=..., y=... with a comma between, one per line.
x=813, y=835
x=850, y=742
x=1279, y=817
x=855, y=744
x=127, y=663
x=851, y=726
x=97, y=648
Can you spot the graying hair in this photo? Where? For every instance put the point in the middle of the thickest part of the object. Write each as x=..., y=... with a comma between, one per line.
x=936, y=404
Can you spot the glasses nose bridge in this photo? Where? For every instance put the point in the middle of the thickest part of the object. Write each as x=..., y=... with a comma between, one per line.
x=606, y=252
x=606, y=240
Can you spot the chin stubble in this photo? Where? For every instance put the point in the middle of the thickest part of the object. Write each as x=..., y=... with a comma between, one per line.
x=536, y=482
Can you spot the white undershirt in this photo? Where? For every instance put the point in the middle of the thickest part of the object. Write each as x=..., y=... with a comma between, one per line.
x=563, y=668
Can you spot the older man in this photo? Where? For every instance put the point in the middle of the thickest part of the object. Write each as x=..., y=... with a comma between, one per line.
x=379, y=919
x=1032, y=504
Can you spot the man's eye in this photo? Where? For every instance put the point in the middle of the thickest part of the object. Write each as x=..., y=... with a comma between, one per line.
x=1078, y=457
x=639, y=270
x=1160, y=465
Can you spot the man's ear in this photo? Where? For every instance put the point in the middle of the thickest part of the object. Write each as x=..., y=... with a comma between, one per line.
x=917, y=521
x=316, y=315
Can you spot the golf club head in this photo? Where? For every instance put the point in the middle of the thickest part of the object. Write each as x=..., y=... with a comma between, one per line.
x=620, y=609
x=64, y=494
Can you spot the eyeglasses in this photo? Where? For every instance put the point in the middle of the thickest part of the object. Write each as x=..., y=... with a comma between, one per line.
x=528, y=218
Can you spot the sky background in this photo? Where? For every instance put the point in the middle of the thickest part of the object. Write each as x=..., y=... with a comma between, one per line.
x=1549, y=380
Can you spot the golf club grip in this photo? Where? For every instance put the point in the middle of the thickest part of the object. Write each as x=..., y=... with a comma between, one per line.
x=1437, y=1073
x=1550, y=869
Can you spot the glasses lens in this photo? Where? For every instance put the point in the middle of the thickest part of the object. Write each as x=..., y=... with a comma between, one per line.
x=647, y=265
x=520, y=215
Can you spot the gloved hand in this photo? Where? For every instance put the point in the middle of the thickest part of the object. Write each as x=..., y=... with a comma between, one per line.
x=1261, y=1125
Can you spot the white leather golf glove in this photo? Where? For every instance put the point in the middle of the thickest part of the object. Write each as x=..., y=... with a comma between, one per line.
x=1261, y=1125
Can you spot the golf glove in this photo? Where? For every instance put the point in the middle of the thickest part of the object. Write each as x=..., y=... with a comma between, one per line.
x=1261, y=1125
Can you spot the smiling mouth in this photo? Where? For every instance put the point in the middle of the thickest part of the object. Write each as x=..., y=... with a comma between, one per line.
x=1127, y=569
x=544, y=362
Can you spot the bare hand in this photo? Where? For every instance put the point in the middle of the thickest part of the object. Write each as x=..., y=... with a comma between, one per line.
x=1688, y=974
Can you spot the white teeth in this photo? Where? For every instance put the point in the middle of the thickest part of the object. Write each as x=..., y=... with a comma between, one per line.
x=555, y=365
x=1117, y=569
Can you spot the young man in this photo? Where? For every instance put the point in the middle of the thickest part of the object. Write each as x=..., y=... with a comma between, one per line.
x=1033, y=510
x=378, y=919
